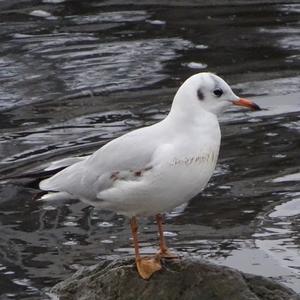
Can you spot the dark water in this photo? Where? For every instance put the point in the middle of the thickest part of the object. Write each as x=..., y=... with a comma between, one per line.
x=81, y=74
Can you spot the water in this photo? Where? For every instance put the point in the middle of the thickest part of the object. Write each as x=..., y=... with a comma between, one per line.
x=75, y=75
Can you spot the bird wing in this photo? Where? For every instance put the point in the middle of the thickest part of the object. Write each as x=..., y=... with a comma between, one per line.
x=122, y=158
x=65, y=162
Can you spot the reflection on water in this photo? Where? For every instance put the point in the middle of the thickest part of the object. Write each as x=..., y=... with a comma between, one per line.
x=278, y=237
x=75, y=75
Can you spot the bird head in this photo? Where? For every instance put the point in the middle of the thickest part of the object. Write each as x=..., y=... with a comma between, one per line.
x=209, y=92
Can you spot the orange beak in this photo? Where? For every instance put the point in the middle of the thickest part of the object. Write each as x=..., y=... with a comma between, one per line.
x=246, y=103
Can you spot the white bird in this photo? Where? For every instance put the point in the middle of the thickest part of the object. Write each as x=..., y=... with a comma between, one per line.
x=154, y=169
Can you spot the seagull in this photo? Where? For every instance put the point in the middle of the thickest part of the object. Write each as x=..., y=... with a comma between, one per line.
x=151, y=170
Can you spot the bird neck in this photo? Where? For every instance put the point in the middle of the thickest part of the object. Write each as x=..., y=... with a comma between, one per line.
x=190, y=118
x=184, y=111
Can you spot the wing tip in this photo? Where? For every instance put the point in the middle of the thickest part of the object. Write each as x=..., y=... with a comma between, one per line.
x=45, y=185
x=56, y=196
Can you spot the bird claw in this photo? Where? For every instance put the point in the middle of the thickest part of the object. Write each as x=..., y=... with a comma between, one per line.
x=146, y=266
x=167, y=254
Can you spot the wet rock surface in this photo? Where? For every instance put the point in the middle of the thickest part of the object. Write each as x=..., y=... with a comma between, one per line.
x=188, y=278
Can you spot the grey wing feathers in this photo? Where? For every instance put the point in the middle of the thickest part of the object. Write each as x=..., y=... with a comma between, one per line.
x=66, y=162
x=87, y=177
x=59, y=181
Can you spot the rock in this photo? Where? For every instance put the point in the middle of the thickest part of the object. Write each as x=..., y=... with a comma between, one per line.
x=186, y=279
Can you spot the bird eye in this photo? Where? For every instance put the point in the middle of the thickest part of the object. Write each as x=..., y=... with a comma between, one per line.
x=218, y=92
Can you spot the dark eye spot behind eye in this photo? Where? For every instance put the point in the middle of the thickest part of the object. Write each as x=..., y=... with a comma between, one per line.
x=218, y=92
x=200, y=95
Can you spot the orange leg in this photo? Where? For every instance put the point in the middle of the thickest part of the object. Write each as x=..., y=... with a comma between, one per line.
x=164, y=251
x=146, y=265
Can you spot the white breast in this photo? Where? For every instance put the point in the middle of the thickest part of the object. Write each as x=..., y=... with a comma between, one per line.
x=180, y=173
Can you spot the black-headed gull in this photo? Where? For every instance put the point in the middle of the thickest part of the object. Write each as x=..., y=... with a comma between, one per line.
x=154, y=169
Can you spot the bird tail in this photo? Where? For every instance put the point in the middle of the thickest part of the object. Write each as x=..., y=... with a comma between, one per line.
x=54, y=196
